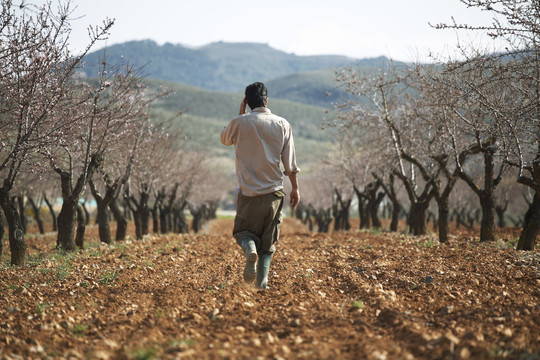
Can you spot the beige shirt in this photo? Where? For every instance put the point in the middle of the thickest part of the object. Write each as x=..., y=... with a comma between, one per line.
x=261, y=141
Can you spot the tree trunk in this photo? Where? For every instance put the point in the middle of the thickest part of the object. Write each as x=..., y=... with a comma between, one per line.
x=81, y=227
x=500, y=210
x=461, y=218
x=485, y=195
x=362, y=208
x=121, y=222
x=24, y=221
x=419, y=204
x=71, y=196
x=487, y=227
x=176, y=224
x=163, y=220
x=345, y=217
x=444, y=214
x=363, y=213
x=373, y=214
x=396, y=209
x=155, y=220
x=138, y=224
x=417, y=218
x=37, y=216
x=140, y=211
x=390, y=192
x=182, y=226
x=196, y=223
x=127, y=211
x=145, y=219
x=102, y=219
x=51, y=211
x=517, y=222
x=17, y=244
x=341, y=213
x=531, y=226
x=66, y=224
x=374, y=203
x=102, y=216
x=86, y=213
x=323, y=218
x=374, y=200
x=201, y=215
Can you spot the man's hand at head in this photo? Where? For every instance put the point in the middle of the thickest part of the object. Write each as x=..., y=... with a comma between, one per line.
x=243, y=106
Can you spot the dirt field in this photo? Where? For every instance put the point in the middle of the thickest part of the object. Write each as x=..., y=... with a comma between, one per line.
x=356, y=295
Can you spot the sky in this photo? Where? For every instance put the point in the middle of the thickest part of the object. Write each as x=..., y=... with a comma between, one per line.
x=398, y=29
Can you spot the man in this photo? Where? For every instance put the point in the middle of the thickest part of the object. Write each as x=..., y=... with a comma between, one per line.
x=261, y=141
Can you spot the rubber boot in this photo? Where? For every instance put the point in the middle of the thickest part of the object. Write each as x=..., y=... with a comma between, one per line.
x=250, y=250
x=262, y=271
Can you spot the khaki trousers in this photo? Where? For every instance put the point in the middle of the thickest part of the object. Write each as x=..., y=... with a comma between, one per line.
x=259, y=218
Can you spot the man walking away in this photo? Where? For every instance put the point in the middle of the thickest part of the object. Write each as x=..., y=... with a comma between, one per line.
x=261, y=141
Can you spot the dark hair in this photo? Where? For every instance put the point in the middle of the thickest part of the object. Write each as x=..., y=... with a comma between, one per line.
x=256, y=95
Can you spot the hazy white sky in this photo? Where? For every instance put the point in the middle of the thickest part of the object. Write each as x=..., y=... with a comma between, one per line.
x=398, y=29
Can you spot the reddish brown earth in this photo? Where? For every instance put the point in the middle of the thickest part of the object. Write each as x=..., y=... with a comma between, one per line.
x=355, y=295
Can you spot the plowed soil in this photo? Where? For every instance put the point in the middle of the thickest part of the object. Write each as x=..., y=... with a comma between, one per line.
x=350, y=295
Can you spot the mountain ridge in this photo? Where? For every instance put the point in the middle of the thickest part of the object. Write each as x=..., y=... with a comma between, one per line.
x=223, y=66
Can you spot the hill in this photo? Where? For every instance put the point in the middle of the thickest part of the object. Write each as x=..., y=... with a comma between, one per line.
x=319, y=87
x=229, y=67
x=218, y=66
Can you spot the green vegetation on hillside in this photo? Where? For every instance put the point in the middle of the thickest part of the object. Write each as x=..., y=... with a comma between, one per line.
x=205, y=113
x=319, y=87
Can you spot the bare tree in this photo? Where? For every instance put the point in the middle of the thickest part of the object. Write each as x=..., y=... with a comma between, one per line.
x=516, y=71
x=432, y=152
x=509, y=199
x=356, y=167
x=386, y=110
x=32, y=186
x=463, y=206
x=474, y=135
x=121, y=150
x=50, y=193
x=392, y=194
x=341, y=207
x=162, y=170
x=318, y=198
x=207, y=190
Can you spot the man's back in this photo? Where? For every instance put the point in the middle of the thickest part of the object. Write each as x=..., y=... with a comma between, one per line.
x=261, y=140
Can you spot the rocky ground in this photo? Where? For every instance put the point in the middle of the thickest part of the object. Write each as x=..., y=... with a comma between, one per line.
x=353, y=295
